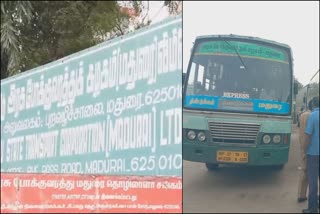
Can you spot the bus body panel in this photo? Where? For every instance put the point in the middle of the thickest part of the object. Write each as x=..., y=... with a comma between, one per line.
x=257, y=156
x=258, y=153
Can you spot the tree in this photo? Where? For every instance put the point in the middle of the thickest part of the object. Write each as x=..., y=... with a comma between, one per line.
x=13, y=15
x=174, y=7
x=49, y=30
x=138, y=12
x=60, y=28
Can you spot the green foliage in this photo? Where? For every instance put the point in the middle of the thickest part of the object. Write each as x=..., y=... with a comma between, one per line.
x=13, y=15
x=60, y=28
x=174, y=7
x=34, y=33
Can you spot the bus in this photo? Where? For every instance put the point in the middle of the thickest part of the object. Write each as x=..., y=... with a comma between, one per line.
x=237, y=102
x=312, y=88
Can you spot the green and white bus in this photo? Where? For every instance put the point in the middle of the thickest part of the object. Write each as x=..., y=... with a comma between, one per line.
x=237, y=102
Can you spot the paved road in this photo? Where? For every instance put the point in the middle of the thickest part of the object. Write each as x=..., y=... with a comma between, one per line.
x=243, y=190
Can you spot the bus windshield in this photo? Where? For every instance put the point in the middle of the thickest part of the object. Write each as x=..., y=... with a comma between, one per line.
x=239, y=76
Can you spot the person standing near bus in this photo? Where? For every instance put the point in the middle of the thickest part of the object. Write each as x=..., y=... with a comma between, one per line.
x=303, y=179
x=299, y=114
x=312, y=147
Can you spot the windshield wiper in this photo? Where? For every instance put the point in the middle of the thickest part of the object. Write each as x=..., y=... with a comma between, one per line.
x=234, y=48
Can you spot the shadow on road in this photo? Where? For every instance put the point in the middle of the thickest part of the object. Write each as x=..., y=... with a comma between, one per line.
x=244, y=175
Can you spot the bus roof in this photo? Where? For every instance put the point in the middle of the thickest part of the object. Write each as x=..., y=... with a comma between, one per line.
x=242, y=37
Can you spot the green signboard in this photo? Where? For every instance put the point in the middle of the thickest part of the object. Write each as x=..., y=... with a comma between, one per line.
x=114, y=109
x=243, y=48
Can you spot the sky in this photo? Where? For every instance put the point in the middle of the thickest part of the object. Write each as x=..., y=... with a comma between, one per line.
x=293, y=23
x=157, y=12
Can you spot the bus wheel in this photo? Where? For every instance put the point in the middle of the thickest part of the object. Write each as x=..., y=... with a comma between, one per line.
x=212, y=166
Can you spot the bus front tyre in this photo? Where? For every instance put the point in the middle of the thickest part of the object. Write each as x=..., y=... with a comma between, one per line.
x=212, y=166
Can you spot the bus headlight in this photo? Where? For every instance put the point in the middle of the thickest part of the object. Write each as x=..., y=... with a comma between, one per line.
x=276, y=138
x=266, y=139
x=191, y=135
x=201, y=136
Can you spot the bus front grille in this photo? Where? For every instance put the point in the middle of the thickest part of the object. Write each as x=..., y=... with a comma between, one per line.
x=229, y=132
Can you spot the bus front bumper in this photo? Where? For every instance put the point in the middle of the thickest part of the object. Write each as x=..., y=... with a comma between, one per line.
x=271, y=155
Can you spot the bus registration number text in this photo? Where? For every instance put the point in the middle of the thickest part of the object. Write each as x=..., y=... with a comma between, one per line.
x=232, y=156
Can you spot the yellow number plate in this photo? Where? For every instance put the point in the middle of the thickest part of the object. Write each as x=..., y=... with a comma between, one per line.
x=232, y=157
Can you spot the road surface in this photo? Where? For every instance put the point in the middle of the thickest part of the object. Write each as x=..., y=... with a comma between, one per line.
x=243, y=190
